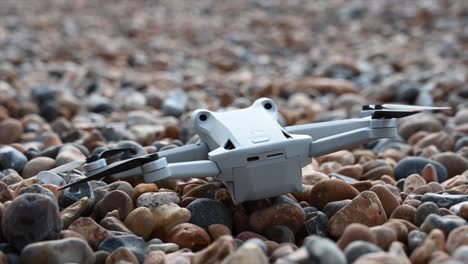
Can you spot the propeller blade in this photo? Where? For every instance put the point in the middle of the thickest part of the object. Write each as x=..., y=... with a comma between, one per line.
x=387, y=114
x=413, y=107
x=108, y=153
x=115, y=168
x=68, y=166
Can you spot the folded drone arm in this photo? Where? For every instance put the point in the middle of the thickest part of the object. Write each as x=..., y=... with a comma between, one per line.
x=181, y=170
x=332, y=136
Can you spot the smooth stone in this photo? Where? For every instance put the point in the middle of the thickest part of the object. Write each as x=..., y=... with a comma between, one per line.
x=415, y=165
x=36, y=165
x=317, y=225
x=217, y=251
x=5, y=193
x=387, y=198
x=358, y=248
x=164, y=247
x=11, y=158
x=424, y=210
x=113, y=223
x=281, y=251
x=444, y=223
x=143, y=188
x=189, y=236
x=140, y=222
x=206, y=212
x=36, y=188
x=256, y=242
x=457, y=208
x=323, y=250
x=73, y=194
x=344, y=157
x=355, y=232
x=429, y=173
x=444, y=200
x=461, y=254
x=434, y=241
x=404, y=211
x=280, y=234
x=217, y=230
x=135, y=244
x=10, y=131
x=364, y=209
x=101, y=256
x=311, y=176
x=31, y=218
x=454, y=163
x=354, y=171
x=155, y=257
x=101, y=191
x=152, y=200
x=249, y=254
x=69, y=250
x=47, y=177
x=69, y=153
x=283, y=211
x=413, y=182
x=378, y=172
x=90, y=230
x=332, y=207
x=114, y=200
x=384, y=235
x=457, y=237
x=74, y=211
x=424, y=122
x=327, y=191
x=246, y=235
x=123, y=255
x=380, y=258
x=441, y=140
x=206, y=190
x=167, y=216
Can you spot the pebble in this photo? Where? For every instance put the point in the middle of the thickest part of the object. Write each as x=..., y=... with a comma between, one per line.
x=74, y=211
x=10, y=131
x=457, y=237
x=114, y=200
x=101, y=256
x=354, y=171
x=331, y=190
x=365, y=209
x=205, y=212
x=323, y=250
x=189, y=236
x=404, y=211
x=317, y=225
x=122, y=255
x=132, y=243
x=164, y=247
x=167, y=216
x=140, y=222
x=461, y=254
x=415, y=165
x=217, y=230
x=90, y=230
x=388, y=200
x=434, y=241
x=112, y=223
x=354, y=232
x=282, y=212
x=71, y=195
x=380, y=257
x=11, y=158
x=69, y=250
x=384, y=235
x=154, y=257
x=251, y=253
x=332, y=207
x=413, y=182
x=30, y=218
x=358, y=248
x=206, y=190
x=444, y=223
x=152, y=200
x=454, y=163
x=444, y=200
x=441, y=140
x=280, y=234
x=424, y=210
x=69, y=153
x=143, y=188
x=36, y=188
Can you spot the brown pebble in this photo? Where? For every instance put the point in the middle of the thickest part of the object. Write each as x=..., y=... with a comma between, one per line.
x=355, y=232
x=283, y=212
x=364, y=209
x=422, y=190
x=114, y=200
x=463, y=213
x=166, y=216
x=155, y=257
x=386, y=197
x=246, y=235
x=362, y=185
x=400, y=230
x=311, y=176
x=74, y=211
x=404, y=211
x=122, y=255
x=189, y=236
x=388, y=179
x=457, y=238
x=433, y=242
x=143, y=188
x=140, y=222
x=216, y=252
x=90, y=230
x=385, y=236
x=115, y=225
x=378, y=172
x=412, y=202
x=413, y=182
x=353, y=171
x=218, y=230
x=441, y=140
x=380, y=258
x=281, y=251
x=5, y=193
x=329, y=191
x=429, y=173
x=69, y=233
x=36, y=165
x=10, y=131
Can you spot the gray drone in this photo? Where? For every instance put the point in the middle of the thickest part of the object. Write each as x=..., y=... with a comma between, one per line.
x=248, y=150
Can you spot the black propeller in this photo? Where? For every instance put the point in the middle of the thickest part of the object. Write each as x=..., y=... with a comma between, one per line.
x=386, y=111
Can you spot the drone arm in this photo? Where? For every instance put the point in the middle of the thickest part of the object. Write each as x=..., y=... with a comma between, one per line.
x=325, y=129
x=182, y=170
x=198, y=151
x=377, y=129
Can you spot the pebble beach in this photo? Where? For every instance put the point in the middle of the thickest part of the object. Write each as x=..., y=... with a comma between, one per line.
x=81, y=77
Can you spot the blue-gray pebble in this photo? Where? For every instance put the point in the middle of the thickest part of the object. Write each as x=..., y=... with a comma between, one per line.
x=358, y=248
x=412, y=165
x=133, y=243
x=11, y=158
x=324, y=251
x=206, y=212
x=444, y=223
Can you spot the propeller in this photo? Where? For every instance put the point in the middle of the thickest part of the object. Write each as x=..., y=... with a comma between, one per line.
x=386, y=111
x=78, y=163
x=115, y=168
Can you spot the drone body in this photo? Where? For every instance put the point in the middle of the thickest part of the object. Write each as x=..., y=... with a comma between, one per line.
x=249, y=151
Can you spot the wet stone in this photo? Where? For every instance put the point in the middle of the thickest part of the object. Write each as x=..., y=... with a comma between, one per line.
x=133, y=243
x=358, y=248
x=206, y=212
x=69, y=250
x=444, y=223
x=31, y=218
x=415, y=165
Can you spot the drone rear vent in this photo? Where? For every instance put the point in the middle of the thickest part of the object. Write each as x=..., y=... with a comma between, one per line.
x=229, y=145
x=286, y=135
x=253, y=158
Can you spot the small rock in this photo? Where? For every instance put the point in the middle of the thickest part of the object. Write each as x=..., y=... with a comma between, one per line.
x=405, y=212
x=429, y=173
x=36, y=165
x=358, y=248
x=444, y=200
x=143, y=188
x=379, y=257
x=384, y=235
x=454, y=163
x=364, y=209
x=190, y=236
x=378, y=172
x=331, y=190
x=415, y=239
x=206, y=212
x=461, y=254
x=122, y=255
x=434, y=241
x=388, y=200
x=332, y=207
x=73, y=194
x=344, y=157
x=140, y=222
x=5, y=193
x=167, y=216
x=164, y=247
x=413, y=182
x=101, y=256
x=31, y=218
x=152, y=200
x=218, y=230
x=132, y=243
x=112, y=223
x=323, y=250
x=175, y=103
x=74, y=211
x=10, y=131
x=69, y=250
x=441, y=140
x=69, y=153
x=247, y=254
x=36, y=188
x=11, y=158
x=424, y=210
x=415, y=165
x=216, y=252
x=280, y=234
x=457, y=237
x=206, y=190
x=355, y=232
x=421, y=123
x=155, y=257
x=115, y=200
x=354, y=171
x=317, y=225
x=444, y=223
x=90, y=230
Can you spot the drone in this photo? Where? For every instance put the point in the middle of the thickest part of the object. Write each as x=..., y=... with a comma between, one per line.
x=248, y=150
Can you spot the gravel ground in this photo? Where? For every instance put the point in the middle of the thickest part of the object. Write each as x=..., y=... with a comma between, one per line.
x=80, y=77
